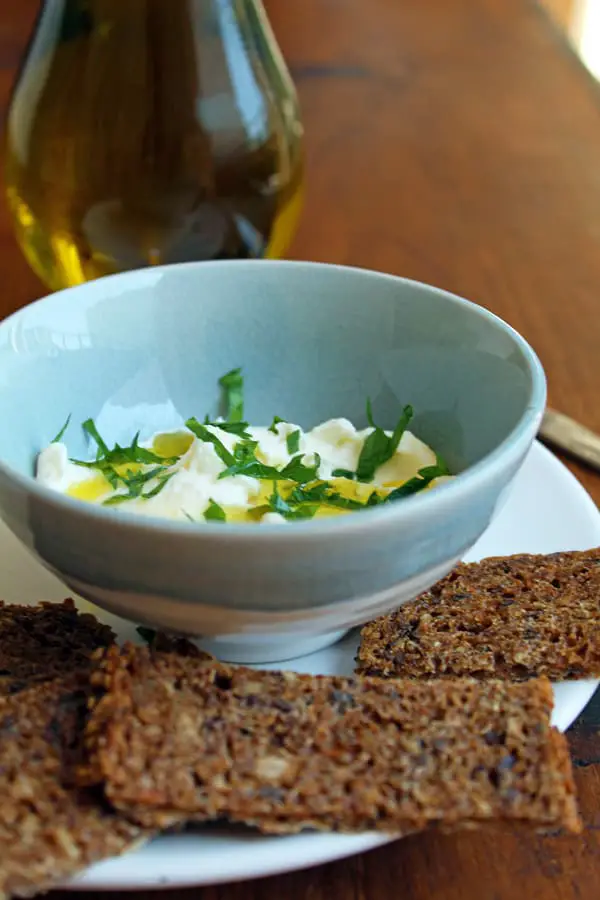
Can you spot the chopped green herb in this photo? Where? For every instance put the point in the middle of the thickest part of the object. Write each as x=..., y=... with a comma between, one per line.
x=162, y=481
x=246, y=463
x=277, y=503
x=335, y=499
x=61, y=433
x=121, y=465
x=293, y=441
x=90, y=428
x=135, y=481
x=421, y=480
x=378, y=447
x=441, y=465
x=274, y=423
x=238, y=428
x=107, y=461
x=344, y=473
x=202, y=432
x=374, y=452
x=298, y=471
x=315, y=493
x=116, y=499
x=233, y=389
x=252, y=468
x=324, y=494
x=119, y=456
x=412, y=486
x=214, y=512
x=402, y=425
x=288, y=510
x=245, y=450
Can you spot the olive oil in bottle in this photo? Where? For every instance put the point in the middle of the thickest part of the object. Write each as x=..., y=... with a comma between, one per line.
x=143, y=132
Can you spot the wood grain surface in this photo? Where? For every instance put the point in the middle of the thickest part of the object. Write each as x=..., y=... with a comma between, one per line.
x=456, y=142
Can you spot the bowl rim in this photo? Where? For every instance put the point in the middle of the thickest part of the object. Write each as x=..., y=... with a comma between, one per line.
x=335, y=526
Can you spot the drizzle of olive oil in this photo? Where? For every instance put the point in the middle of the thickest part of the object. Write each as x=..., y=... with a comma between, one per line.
x=98, y=487
x=350, y=490
x=176, y=444
x=91, y=490
x=172, y=444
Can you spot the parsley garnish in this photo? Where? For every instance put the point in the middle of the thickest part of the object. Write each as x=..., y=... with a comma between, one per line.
x=314, y=493
x=136, y=472
x=214, y=512
x=344, y=473
x=274, y=423
x=61, y=433
x=324, y=494
x=119, y=456
x=293, y=442
x=252, y=468
x=378, y=447
x=421, y=480
x=277, y=504
x=246, y=463
x=202, y=432
x=107, y=462
x=304, y=501
x=233, y=389
x=238, y=428
x=298, y=471
x=89, y=427
x=162, y=481
x=135, y=481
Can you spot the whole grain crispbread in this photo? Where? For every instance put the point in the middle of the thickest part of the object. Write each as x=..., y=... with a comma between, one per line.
x=50, y=640
x=50, y=829
x=161, y=642
x=513, y=617
x=175, y=740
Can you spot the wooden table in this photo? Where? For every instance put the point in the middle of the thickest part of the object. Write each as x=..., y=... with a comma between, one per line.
x=456, y=142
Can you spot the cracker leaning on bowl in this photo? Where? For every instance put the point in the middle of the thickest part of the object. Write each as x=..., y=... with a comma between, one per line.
x=513, y=617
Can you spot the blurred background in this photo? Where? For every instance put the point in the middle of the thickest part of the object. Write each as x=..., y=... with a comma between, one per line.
x=196, y=148
x=581, y=21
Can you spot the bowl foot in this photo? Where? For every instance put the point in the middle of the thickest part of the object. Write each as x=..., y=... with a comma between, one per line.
x=251, y=649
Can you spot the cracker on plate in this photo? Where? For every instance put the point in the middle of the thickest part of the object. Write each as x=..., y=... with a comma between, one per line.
x=50, y=640
x=174, y=739
x=513, y=617
x=50, y=829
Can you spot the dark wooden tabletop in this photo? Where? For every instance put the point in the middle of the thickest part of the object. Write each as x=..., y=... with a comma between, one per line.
x=456, y=142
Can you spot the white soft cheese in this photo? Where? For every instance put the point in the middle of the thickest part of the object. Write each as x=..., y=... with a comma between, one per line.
x=196, y=481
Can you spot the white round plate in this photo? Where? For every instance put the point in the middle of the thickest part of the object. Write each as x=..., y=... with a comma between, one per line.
x=547, y=510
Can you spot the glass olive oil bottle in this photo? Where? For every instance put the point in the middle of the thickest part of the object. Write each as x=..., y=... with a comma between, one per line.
x=143, y=132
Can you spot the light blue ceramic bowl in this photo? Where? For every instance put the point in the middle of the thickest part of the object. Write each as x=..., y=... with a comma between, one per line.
x=314, y=341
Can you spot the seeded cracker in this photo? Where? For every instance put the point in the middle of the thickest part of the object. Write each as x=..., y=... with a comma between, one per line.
x=49, y=829
x=160, y=642
x=514, y=617
x=50, y=640
x=177, y=740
